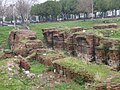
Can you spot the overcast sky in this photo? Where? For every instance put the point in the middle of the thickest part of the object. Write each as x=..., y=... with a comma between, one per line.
x=41, y=1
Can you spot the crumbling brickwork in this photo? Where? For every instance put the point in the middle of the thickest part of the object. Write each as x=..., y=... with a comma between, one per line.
x=23, y=63
x=85, y=45
x=103, y=26
x=108, y=86
x=23, y=41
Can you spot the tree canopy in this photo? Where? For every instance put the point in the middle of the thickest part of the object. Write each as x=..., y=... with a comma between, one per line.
x=66, y=8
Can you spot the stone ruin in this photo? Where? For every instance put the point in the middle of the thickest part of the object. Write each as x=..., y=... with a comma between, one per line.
x=108, y=86
x=103, y=26
x=55, y=37
x=108, y=51
x=88, y=46
x=23, y=63
x=81, y=45
x=85, y=45
x=23, y=42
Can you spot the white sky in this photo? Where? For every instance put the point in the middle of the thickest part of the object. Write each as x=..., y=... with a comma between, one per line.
x=41, y=1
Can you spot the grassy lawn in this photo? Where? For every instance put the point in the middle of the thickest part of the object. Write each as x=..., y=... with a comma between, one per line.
x=4, y=32
x=66, y=24
x=113, y=33
x=15, y=80
x=100, y=72
x=36, y=67
x=67, y=86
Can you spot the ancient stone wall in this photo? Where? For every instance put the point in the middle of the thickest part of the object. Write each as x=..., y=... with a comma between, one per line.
x=23, y=41
x=108, y=86
x=85, y=45
x=103, y=26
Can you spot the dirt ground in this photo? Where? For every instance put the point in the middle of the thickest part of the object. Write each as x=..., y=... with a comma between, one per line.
x=50, y=79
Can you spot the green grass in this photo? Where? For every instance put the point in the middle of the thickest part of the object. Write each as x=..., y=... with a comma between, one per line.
x=114, y=33
x=66, y=86
x=66, y=24
x=36, y=67
x=4, y=33
x=18, y=81
x=7, y=83
x=100, y=72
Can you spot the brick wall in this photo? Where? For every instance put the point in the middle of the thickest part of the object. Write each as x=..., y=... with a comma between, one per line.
x=85, y=45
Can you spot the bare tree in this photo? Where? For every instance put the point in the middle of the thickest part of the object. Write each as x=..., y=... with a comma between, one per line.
x=9, y=14
x=2, y=8
x=23, y=8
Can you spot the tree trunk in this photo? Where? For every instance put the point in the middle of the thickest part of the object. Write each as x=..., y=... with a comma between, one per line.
x=67, y=16
x=84, y=17
x=11, y=22
x=72, y=16
x=79, y=15
x=112, y=13
x=95, y=15
x=2, y=22
x=39, y=17
x=115, y=12
x=104, y=14
x=75, y=16
x=63, y=16
x=22, y=19
x=46, y=18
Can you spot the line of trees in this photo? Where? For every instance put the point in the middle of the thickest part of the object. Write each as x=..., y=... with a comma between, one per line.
x=66, y=9
x=52, y=10
x=19, y=9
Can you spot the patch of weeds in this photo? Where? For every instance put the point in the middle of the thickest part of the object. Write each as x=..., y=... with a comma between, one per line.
x=79, y=80
x=36, y=67
x=104, y=87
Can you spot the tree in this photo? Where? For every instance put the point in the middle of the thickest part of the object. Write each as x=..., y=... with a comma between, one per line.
x=9, y=13
x=23, y=8
x=72, y=8
x=113, y=5
x=50, y=10
x=36, y=10
x=2, y=8
x=85, y=6
x=101, y=6
x=68, y=7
